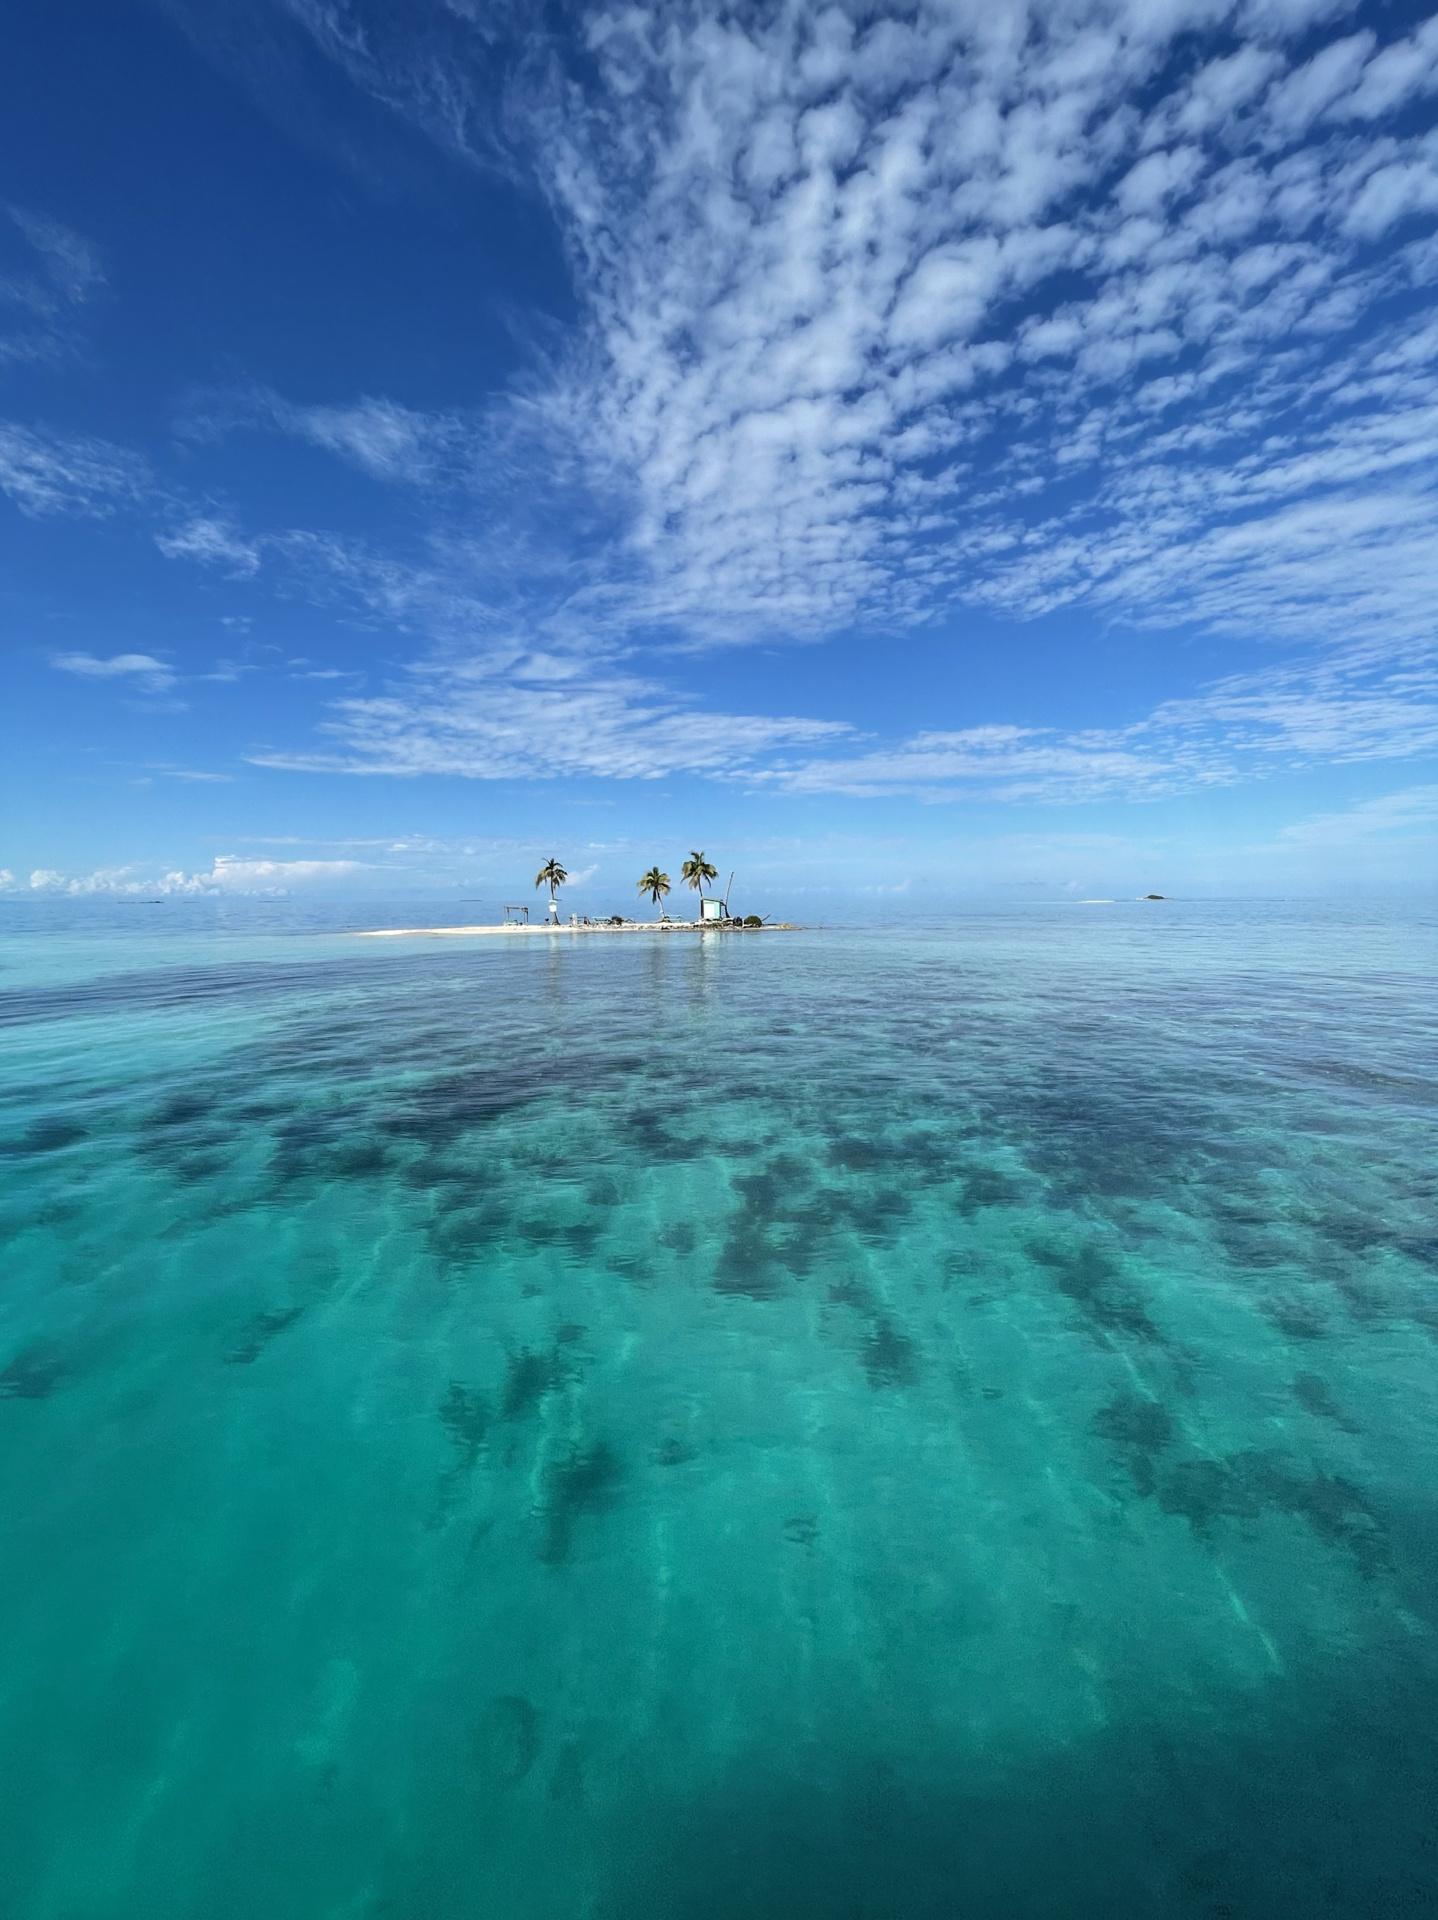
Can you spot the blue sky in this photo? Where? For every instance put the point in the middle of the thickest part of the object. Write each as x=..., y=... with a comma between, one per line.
x=947, y=448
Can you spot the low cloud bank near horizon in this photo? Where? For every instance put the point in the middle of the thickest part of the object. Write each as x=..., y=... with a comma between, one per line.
x=230, y=874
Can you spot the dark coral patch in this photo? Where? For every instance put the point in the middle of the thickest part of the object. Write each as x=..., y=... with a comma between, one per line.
x=1094, y=1280
x=1136, y=1429
x=461, y=1234
x=584, y=1481
x=654, y=1140
x=259, y=1333
x=637, y=1267
x=748, y=1266
x=33, y=1375
x=890, y=1357
x=45, y=1136
x=1315, y=1397
x=528, y=1378
x=982, y=1187
x=1248, y=1485
x=182, y=1110
x=1133, y=1422
x=466, y=1416
x=857, y=1155
x=1299, y=1319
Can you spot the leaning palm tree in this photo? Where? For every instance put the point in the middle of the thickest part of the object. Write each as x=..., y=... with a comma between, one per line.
x=655, y=884
x=696, y=872
x=552, y=875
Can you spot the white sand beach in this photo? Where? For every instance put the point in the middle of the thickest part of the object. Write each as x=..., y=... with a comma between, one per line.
x=518, y=931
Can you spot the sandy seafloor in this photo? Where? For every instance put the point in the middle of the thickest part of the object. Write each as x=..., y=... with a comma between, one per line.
x=883, y=1424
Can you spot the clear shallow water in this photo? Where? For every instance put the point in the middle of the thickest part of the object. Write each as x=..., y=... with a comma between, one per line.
x=840, y=1426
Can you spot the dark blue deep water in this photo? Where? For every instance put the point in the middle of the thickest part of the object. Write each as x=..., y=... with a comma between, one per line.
x=848, y=1425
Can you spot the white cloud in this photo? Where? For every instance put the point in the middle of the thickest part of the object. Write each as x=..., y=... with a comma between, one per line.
x=51, y=473
x=232, y=874
x=66, y=272
x=878, y=307
x=387, y=441
x=1391, y=813
x=142, y=668
x=530, y=716
x=1242, y=728
x=534, y=716
x=1404, y=70
x=71, y=261
x=211, y=542
x=1103, y=306
x=861, y=288
x=229, y=874
x=384, y=439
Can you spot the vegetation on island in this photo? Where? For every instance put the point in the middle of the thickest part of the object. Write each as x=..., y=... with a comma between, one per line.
x=655, y=884
x=551, y=875
x=697, y=872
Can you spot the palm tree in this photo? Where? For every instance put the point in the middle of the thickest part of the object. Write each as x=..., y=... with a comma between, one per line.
x=695, y=872
x=655, y=884
x=552, y=875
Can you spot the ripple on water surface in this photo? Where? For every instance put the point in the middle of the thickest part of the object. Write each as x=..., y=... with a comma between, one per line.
x=848, y=1424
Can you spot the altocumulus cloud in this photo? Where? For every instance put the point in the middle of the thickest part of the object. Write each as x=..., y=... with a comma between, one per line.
x=888, y=310
x=1025, y=305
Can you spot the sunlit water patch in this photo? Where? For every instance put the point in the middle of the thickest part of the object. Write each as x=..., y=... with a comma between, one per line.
x=827, y=1425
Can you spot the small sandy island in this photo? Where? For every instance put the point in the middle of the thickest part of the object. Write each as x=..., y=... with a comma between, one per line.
x=512, y=931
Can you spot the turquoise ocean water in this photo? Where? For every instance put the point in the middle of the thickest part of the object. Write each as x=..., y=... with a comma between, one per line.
x=849, y=1425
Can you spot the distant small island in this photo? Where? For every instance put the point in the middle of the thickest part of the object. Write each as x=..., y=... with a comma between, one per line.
x=751, y=923
x=696, y=872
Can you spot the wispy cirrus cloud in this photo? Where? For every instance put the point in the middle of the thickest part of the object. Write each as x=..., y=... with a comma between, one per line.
x=1412, y=812
x=211, y=542
x=531, y=716
x=140, y=668
x=60, y=270
x=1243, y=728
x=384, y=439
x=46, y=473
x=71, y=262
x=513, y=715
